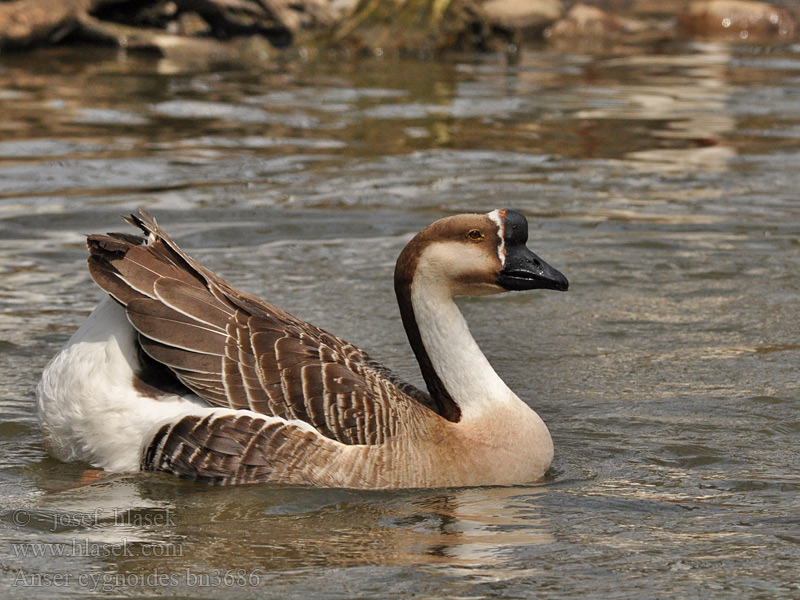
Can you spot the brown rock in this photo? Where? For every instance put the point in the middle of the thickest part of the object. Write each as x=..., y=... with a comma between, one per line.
x=586, y=21
x=738, y=20
x=521, y=15
x=191, y=24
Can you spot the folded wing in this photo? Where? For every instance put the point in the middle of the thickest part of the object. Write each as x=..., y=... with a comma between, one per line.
x=237, y=351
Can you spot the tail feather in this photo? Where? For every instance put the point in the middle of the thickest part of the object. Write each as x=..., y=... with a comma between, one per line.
x=168, y=250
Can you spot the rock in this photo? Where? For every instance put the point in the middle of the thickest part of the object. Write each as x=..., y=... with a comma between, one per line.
x=586, y=21
x=408, y=27
x=522, y=15
x=343, y=8
x=738, y=20
x=590, y=27
x=191, y=24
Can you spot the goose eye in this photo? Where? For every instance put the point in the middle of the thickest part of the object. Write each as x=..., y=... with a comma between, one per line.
x=475, y=235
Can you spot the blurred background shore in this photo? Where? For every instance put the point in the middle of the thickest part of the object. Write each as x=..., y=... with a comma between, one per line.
x=418, y=27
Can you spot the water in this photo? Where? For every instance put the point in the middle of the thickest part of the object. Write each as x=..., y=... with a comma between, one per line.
x=662, y=181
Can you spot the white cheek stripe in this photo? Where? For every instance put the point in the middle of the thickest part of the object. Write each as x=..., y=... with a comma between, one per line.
x=501, y=231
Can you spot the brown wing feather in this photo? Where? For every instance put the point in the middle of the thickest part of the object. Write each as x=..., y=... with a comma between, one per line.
x=238, y=448
x=237, y=351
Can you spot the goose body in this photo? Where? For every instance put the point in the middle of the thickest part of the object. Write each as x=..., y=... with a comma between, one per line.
x=178, y=371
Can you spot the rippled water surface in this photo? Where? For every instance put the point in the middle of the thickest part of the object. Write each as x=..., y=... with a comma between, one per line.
x=663, y=182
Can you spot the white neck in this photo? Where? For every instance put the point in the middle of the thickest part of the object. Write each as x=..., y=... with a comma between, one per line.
x=455, y=356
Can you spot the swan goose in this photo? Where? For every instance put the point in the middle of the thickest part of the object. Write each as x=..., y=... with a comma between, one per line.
x=178, y=371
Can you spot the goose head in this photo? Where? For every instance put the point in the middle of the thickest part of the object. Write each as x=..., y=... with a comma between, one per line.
x=475, y=255
x=461, y=255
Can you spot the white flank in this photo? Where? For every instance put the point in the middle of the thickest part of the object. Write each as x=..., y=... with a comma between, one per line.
x=88, y=408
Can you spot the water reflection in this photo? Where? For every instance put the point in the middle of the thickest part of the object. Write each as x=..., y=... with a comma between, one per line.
x=267, y=529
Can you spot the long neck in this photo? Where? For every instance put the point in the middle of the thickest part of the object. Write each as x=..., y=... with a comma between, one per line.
x=460, y=379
